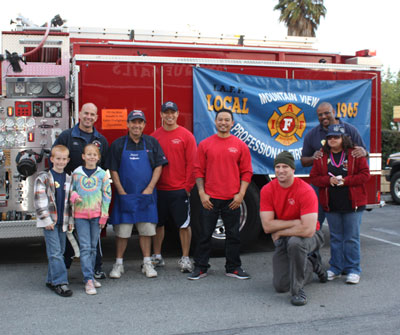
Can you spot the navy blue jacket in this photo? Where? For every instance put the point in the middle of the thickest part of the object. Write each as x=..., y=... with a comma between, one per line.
x=315, y=138
x=75, y=142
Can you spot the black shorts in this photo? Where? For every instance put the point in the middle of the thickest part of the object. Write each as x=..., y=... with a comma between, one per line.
x=173, y=206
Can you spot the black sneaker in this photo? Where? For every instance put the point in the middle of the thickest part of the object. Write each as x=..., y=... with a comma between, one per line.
x=50, y=286
x=299, y=299
x=197, y=274
x=63, y=290
x=99, y=274
x=318, y=268
x=238, y=273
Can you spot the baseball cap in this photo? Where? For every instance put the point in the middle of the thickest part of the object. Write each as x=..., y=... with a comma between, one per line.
x=136, y=114
x=169, y=105
x=336, y=130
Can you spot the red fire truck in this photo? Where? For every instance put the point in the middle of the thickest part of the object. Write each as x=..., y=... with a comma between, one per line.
x=48, y=73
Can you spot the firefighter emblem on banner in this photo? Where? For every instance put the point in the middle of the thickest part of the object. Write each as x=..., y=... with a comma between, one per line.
x=289, y=123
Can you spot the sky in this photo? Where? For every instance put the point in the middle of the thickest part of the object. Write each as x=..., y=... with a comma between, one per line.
x=349, y=25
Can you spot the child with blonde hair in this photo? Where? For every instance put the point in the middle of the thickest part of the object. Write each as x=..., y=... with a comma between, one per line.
x=53, y=213
x=91, y=196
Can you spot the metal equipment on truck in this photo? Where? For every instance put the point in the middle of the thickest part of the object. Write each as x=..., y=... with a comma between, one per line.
x=121, y=70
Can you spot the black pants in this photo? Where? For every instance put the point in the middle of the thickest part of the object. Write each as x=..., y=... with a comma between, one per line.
x=208, y=221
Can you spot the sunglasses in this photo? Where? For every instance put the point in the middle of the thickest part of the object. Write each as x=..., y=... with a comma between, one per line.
x=335, y=137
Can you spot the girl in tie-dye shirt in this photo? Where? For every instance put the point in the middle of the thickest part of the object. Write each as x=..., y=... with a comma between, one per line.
x=91, y=196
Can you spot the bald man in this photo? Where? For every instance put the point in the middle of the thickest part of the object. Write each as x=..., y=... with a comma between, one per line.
x=81, y=134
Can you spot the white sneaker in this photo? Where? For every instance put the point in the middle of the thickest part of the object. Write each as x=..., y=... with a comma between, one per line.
x=89, y=287
x=185, y=265
x=148, y=270
x=96, y=283
x=117, y=271
x=332, y=275
x=353, y=278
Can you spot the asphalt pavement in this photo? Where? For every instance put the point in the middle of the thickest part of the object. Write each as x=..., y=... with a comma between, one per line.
x=171, y=304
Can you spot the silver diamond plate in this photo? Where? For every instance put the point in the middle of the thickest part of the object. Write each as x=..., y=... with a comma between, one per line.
x=16, y=229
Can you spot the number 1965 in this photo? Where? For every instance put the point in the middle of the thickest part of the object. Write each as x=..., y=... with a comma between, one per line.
x=347, y=109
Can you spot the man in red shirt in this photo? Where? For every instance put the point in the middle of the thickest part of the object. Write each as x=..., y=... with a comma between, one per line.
x=223, y=172
x=289, y=212
x=175, y=184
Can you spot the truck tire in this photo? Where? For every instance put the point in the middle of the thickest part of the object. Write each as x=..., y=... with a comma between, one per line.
x=395, y=187
x=250, y=223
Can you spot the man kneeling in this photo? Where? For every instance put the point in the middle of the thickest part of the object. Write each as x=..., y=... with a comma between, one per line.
x=289, y=211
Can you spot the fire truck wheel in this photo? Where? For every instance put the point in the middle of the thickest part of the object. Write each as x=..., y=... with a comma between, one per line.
x=395, y=187
x=250, y=224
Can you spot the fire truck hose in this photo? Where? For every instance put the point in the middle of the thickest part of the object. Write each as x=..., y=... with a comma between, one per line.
x=41, y=43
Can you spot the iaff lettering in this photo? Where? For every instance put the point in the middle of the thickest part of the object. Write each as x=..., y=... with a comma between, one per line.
x=229, y=89
x=260, y=147
x=235, y=104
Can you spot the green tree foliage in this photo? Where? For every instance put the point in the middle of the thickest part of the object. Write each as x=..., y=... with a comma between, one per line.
x=390, y=96
x=390, y=144
x=302, y=17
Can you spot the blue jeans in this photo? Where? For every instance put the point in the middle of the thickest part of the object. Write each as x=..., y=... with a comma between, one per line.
x=209, y=220
x=321, y=213
x=55, y=246
x=344, y=231
x=88, y=234
x=69, y=256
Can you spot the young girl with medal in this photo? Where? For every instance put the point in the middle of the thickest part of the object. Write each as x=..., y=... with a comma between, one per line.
x=341, y=179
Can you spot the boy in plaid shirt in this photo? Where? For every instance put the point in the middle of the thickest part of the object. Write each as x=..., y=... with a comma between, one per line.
x=53, y=213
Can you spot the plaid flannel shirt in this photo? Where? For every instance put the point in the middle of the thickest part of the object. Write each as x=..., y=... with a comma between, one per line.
x=45, y=201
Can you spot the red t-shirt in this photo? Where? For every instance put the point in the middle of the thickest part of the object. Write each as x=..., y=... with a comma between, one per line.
x=289, y=203
x=223, y=163
x=179, y=147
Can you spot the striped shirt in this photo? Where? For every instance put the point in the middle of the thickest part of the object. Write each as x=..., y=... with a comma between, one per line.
x=45, y=201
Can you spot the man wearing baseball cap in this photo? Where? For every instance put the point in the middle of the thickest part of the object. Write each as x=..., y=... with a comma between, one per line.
x=289, y=212
x=175, y=184
x=135, y=162
x=315, y=139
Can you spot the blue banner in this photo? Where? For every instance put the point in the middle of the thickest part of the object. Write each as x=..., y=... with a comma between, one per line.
x=272, y=115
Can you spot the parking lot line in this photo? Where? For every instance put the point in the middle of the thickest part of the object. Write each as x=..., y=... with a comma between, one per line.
x=380, y=239
x=386, y=231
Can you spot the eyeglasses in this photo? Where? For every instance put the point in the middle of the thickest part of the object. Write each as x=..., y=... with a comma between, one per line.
x=335, y=137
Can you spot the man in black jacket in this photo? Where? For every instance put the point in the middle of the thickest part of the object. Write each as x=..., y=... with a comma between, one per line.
x=75, y=140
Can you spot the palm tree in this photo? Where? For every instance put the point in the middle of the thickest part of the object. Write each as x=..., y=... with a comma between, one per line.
x=302, y=17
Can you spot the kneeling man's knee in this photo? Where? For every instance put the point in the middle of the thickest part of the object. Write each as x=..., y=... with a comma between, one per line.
x=281, y=286
x=295, y=244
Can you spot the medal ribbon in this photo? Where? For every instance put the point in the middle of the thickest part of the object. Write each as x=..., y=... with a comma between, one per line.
x=340, y=161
